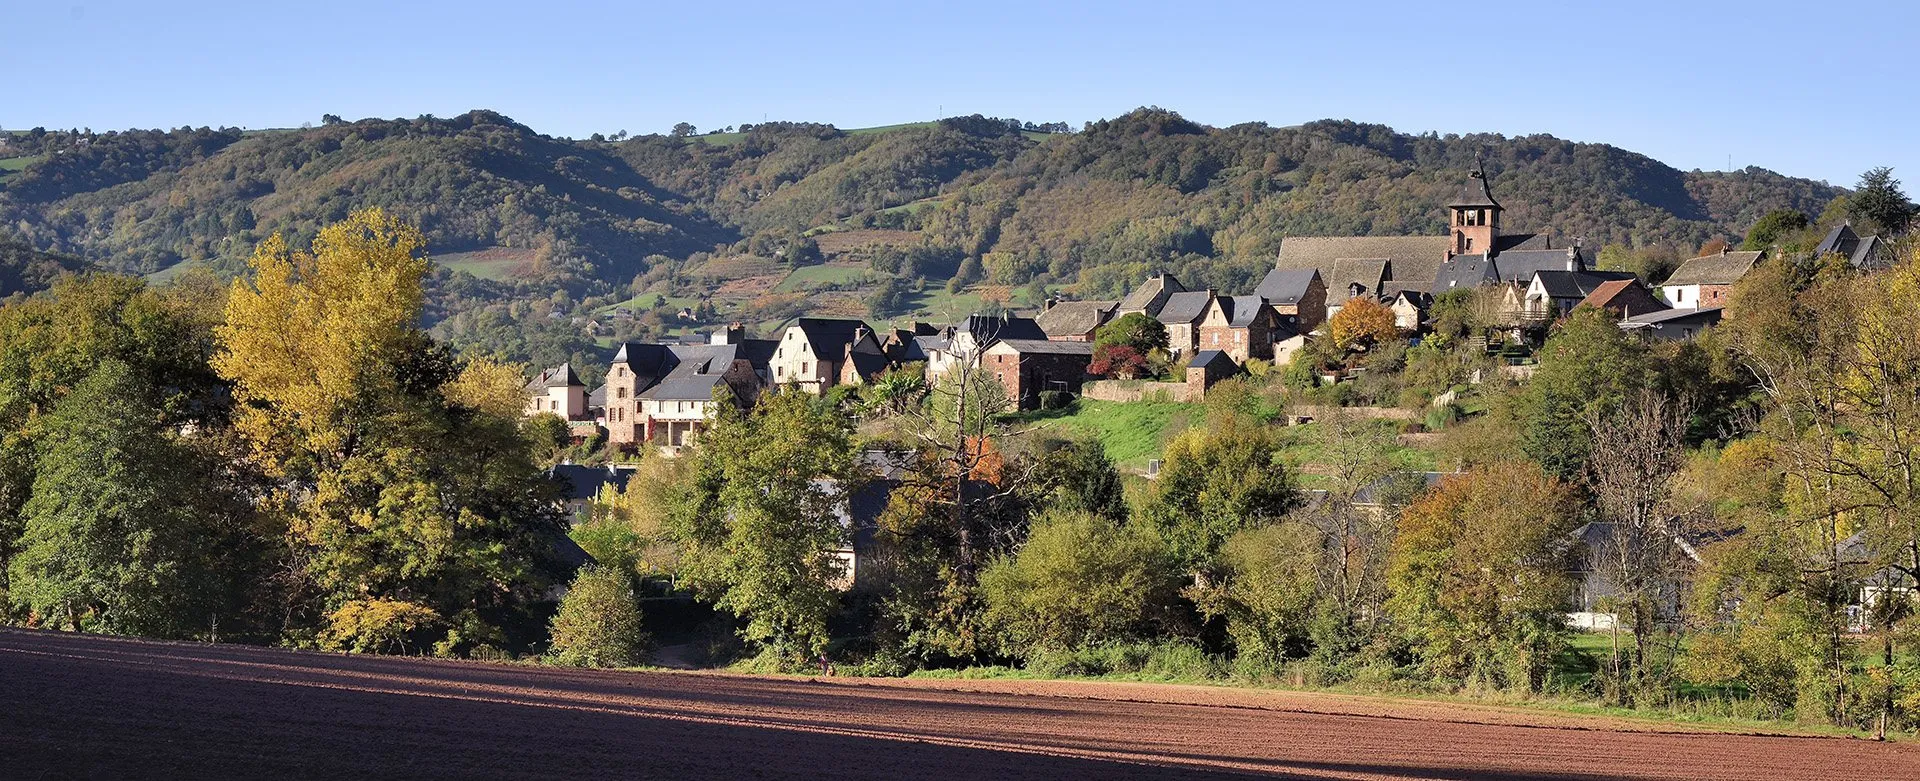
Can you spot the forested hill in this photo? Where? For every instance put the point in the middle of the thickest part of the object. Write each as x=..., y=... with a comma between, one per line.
x=986, y=201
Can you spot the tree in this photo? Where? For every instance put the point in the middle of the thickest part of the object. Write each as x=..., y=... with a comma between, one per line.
x=1080, y=579
x=762, y=535
x=129, y=530
x=1215, y=482
x=52, y=343
x=549, y=434
x=407, y=488
x=1135, y=330
x=1772, y=226
x=629, y=529
x=683, y=129
x=1267, y=591
x=1477, y=587
x=1879, y=204
x=1639, y=448
x=598, y=624
x=1588, y=366
x=1119, y=361
x=1361, y=323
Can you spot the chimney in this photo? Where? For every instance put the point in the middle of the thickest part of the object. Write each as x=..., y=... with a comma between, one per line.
x=1049, y=303
x=1724, y=248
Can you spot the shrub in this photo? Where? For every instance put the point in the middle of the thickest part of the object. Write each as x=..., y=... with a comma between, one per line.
x=1080, y=580
x=599, y=623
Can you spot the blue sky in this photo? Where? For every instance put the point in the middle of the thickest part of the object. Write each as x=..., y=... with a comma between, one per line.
x=1823, y=91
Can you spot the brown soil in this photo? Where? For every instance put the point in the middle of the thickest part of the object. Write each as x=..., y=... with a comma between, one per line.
x=88, y=707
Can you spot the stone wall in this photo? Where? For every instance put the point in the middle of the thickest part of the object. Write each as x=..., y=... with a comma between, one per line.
x=1134, y=390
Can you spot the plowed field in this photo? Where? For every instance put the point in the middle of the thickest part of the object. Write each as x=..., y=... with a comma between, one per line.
x=88, y=707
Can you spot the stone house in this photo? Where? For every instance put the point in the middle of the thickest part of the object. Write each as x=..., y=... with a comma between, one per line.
x=1299, y=296
x=1409, y=309
x=969, y=339
x=1624, y=298
x=663, y=394
x=1243, y=327
x=1182, y=315
x=1207, y=368
x=1028, y=367
x=815, y=353
x=1707, y=281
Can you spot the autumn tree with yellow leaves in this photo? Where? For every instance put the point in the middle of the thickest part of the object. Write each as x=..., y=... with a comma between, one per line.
x=406, y=488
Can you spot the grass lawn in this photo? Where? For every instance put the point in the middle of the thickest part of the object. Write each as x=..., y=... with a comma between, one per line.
x=11, y=164
x=810, y=277
x=1300, y=445
x=1132, y=433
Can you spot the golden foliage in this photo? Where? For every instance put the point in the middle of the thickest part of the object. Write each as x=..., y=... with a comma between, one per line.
x=310, y=333
x=1361, y=322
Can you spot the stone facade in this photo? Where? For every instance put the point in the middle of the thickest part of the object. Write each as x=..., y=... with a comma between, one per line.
x=1026, y=368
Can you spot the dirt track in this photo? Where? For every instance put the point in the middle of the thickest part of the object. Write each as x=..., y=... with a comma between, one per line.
x=88, y=707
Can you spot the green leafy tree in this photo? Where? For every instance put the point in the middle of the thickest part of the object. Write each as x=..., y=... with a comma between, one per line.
x=599, y=623
x=548, y=433
x=1879, y=204
x=1215, y=482
x=1772, y=226
x=129, y=529
x=1080, y=579
x=1266, y=592
x=1477, y=585
x=1587, y=367
x=762, y=538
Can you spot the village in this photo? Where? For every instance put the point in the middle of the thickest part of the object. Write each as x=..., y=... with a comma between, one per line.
x=658, y=398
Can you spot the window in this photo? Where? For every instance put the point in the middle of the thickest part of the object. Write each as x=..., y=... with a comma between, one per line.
x=780, y=353
x=1469, y=243
x=803, y=367
x=779, y=371
x=622, y=392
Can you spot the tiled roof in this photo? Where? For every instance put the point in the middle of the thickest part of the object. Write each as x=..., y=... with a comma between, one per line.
x=1241, y=310
x=1476, y=192
x=1723, y=268
x=561, y=376
x=1074, y=318
x=829, y=336
x=1369, y=273
x=1519, y=265
x=1711, y=314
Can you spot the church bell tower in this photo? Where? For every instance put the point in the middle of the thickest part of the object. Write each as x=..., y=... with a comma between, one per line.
x=1474, y=218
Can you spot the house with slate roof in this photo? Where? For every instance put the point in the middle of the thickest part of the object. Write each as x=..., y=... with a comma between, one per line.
x=558, y=391
x=1299, y=296
x=969, y=339
x=1028, y=367
x=1243, y=327
x=817, y=353
x=1707, y=281
x=1181, y=316
x=1867, y=253
x=663, y=394
x=1207, y=368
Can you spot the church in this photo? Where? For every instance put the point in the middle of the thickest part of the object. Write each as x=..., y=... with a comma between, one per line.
x=1474, y=252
